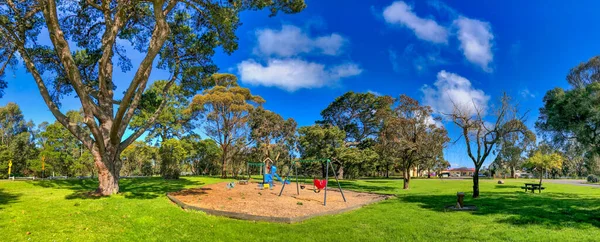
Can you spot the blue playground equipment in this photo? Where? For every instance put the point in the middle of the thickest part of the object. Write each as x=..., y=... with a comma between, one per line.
x=274, y=173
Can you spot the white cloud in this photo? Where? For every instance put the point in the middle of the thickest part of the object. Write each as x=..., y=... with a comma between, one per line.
x=476, y=41
x=426, y=29
x=450, y=90
x=291, y=41
x=525, y=93
x=294, y=74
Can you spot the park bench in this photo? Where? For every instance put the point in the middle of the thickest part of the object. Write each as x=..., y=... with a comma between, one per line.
x=533, y=187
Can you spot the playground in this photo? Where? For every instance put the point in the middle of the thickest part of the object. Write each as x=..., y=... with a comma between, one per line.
x=268, y=199
x=249, y=199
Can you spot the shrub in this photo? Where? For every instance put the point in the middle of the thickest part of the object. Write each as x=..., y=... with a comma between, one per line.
x=592, y=179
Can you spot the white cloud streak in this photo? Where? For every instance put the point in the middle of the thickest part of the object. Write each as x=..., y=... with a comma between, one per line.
x=475, y=38
x=426, y=29
x=294, y=74
x=292, y=41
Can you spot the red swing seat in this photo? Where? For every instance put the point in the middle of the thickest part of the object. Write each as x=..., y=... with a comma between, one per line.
x=320, y=184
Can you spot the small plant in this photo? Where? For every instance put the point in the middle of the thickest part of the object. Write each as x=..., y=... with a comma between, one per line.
x=592, y=179
x=299, y=203
x=229, y=198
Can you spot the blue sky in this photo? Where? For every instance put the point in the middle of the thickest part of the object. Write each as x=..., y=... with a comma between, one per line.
x=434, y=51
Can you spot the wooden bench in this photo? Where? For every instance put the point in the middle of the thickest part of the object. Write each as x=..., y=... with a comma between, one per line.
x=533, y=187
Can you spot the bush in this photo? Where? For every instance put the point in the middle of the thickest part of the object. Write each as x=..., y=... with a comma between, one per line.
x=592, y=179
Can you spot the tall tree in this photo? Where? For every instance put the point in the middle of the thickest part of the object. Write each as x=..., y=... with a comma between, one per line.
x=572, y=114
x=179, y=36
x=512, y=148
x=271, y=133
x=320, y=142
x=227, y=107
x=357, y=114
x=409, y=138
x=481, y=136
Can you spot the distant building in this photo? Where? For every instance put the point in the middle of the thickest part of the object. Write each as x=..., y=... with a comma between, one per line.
x=458, y=172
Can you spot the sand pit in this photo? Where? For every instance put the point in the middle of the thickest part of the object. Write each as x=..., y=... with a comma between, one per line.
x=250, y=202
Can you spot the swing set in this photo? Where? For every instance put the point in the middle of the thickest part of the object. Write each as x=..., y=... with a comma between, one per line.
x=320, y=184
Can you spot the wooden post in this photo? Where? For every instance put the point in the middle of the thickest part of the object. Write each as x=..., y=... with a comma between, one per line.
x=460, y=199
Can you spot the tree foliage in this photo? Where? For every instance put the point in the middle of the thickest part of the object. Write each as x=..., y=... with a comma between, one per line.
x=226, y=108
x=409, y=138
x=542, y=162
x=89, y=40
x=172, y=156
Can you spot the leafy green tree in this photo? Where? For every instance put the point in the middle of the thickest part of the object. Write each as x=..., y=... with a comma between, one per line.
x=17, y=143
x=203, y=156
x=572, y=114
x=87, y=46
x=273, y=136
x=138, y=159
x=512, y=148
x=172, y=156
x=542, y=162
x=320, y=142
x=227, y=108
x=327, y=142
x=359, y=115
x=62, y=152
x=409, y=138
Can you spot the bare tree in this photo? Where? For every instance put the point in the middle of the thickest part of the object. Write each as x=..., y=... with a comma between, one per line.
x=481, y=136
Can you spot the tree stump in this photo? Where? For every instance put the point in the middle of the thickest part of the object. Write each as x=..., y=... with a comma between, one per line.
x=460, y=198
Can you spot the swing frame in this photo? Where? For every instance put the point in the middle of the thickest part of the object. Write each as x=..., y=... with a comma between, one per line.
x=328, y=164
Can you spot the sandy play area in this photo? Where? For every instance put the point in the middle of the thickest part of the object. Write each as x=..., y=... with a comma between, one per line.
x=249, y=199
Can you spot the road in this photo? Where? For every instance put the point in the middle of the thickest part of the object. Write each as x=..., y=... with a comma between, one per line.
x=572, y=182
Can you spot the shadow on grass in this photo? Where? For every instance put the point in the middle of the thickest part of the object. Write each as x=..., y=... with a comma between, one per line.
x=375, y=188
x=513, y=187
x=132, y=188
x=552, y=210
x=7, y=198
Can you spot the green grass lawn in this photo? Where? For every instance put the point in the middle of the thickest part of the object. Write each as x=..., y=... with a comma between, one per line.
x=59, y=211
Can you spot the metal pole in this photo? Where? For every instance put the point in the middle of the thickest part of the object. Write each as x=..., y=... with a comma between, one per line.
x=297, y=185
x=326, y=182
x=288, y=175
x=338, y=182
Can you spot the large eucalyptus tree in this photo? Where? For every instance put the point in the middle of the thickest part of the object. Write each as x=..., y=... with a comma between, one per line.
x=87, y=40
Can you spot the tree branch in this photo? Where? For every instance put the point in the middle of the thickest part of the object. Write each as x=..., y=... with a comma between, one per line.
x=159, y=36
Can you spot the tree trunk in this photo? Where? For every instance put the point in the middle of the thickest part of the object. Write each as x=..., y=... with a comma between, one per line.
x=512, y=172
x=476, y=183
x=224, y=164
x=406, y=179
x=428, y=173
x=340, y=172
x=108, y=174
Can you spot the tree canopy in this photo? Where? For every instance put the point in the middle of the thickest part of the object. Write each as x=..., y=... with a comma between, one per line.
x=89, y=41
